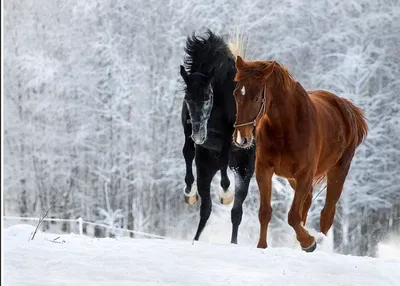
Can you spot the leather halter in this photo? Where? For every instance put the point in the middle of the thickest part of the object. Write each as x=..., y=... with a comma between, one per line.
x=262, y=109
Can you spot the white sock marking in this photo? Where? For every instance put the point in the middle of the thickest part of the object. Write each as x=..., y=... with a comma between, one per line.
x=225, y=195
x=193, y=190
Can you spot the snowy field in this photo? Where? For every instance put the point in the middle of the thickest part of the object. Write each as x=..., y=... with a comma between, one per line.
x=80, y=260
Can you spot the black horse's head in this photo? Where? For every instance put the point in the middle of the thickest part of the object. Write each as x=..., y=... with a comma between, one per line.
x=199, y=100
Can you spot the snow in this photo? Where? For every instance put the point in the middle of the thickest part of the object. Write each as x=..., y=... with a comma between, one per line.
x=389, y=250
x=80, y=260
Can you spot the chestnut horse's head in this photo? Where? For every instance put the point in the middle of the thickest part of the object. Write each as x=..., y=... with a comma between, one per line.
x=199, y=100
x=251, y=98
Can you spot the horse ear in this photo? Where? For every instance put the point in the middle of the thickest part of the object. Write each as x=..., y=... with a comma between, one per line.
x=184, y=74
x=240, y=62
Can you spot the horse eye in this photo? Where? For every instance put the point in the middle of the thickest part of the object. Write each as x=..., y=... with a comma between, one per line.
x=256, y=98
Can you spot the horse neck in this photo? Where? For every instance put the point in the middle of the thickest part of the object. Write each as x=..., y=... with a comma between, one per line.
x=287, y=106
x=223, y=97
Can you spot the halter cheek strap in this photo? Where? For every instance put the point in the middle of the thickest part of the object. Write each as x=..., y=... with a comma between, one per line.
x=261, y=111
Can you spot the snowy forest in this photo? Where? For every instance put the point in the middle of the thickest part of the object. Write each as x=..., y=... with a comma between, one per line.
x=93, y=95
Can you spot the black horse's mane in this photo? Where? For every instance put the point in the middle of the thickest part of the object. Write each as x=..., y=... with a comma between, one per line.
x=203, y=53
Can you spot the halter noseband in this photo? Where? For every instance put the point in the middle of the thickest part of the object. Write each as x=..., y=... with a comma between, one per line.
x=262, y=108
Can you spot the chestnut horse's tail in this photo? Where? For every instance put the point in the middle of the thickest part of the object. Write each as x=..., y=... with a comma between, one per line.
x=237, y=44
x=360, y=121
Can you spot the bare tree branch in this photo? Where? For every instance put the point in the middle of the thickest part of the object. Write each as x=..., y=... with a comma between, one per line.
x=41, y=220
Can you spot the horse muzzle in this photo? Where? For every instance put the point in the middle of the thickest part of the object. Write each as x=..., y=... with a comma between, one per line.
x=199, y=132
x=242, y=140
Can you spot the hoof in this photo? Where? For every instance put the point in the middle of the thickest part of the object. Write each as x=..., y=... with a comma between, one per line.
x=191, y=197
x=311, y=248
x=262, y=245
x=226, y=197
x=191, y=200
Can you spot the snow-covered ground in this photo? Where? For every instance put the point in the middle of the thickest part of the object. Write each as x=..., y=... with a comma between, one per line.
x=80, y=260
x=389, y=250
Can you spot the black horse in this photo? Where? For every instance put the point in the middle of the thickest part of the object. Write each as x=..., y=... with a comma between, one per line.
x=208, y=115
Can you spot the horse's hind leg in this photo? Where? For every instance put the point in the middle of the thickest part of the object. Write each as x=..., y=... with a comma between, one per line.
x=190, y=192
x=306, y=208
x=307, y=202
x=336, y=178
x=226, y=195
x=241, y=162
x=206, y=167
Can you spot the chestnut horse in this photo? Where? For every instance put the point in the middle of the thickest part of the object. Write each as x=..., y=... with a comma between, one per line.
x=302, y=136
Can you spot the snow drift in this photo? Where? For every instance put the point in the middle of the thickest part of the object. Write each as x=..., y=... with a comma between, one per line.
x=51, y=259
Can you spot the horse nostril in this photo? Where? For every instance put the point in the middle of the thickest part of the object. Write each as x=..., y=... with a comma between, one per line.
x=244, y=141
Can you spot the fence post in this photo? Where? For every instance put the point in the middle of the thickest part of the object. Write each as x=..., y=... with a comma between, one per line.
x=80, y=221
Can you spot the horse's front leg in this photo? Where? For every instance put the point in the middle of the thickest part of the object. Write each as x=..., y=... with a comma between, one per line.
x=190, y=191
x=295, y=218
x=241, y=162
x=264, y=181
x=206, y=167
x=225, y=195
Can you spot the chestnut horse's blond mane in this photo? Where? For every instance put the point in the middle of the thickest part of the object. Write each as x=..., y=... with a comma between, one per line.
x=261, y=70
x=237, y=44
